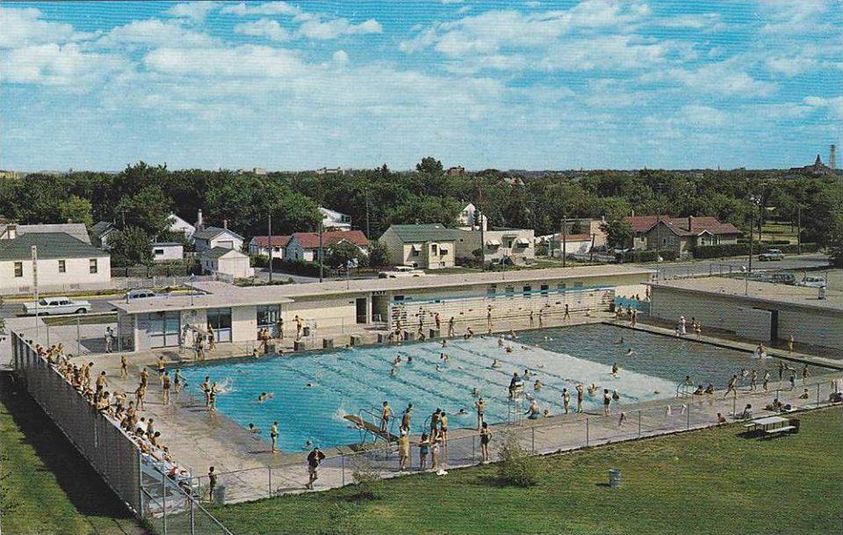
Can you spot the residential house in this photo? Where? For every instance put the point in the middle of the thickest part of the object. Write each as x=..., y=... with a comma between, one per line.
x=167, y=251
x=226, y=261
x=573, y=244
x=333, y=220
x=9, y=231
x=469, y=218
x=456, y=171
x=259, y=246
x=329, y=171
x=101, y=231
x=680, y=234
x=64, y=262
x=211, y=237
x=430, y=246
x=305, y=245
x=180, y=226
x=511, y=246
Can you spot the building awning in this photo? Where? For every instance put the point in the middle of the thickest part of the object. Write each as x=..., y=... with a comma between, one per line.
x=493, y=243
x=523, y=241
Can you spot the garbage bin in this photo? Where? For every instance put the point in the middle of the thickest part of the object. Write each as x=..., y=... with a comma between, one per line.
x=219, y=495
x=306, y=330
x=327, y=343
x=614, y=478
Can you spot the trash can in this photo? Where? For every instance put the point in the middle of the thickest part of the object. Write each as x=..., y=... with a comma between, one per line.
x=355, y=340
x=219, y=495
x=327, y=343
x=306, y=330
x=614, y=478
x=434, y=333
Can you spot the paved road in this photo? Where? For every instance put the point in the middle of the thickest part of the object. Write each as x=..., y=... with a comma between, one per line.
x=714, y=266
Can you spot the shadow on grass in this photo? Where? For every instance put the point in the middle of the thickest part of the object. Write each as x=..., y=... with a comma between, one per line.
x=83, y=486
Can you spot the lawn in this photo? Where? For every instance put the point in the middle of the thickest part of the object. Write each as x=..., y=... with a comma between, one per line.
x=46, y=487
x=709, y=481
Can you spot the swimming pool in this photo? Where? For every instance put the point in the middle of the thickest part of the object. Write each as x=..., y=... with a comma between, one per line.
x=313, y=392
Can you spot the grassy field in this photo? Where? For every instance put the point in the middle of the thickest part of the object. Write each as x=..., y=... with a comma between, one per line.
x=704, y=482
x=778, y=231
x=46, y=487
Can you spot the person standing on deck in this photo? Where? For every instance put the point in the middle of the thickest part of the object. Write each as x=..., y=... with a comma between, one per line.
x=580, y=393
x=480, y=405
x=280, y=326
x=212, y=483
x=437, y=320
x=124, y=367
x=386, y=414
x=273, y=435
x=451, y=327
x=489, y=318
x=567, y=315
x=566, y=399
x=733, y=382
x=313, y=459
x=405, y=418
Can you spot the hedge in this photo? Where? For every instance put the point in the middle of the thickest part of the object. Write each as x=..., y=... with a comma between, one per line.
x=646, y=255
x=299, y=267
x=742, y=249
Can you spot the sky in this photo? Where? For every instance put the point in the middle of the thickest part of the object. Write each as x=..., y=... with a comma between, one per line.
x=484, y=84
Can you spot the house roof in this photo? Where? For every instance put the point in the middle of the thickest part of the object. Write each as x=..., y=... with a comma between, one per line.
x=50, y=245
x=209, y=233
x=102, y=227
x=77, y=230
x=331, y=213
x=310, y=240
x=218, y=252
x=424, y=233
x=277, y=241
x=680, y=225
x=167, y=244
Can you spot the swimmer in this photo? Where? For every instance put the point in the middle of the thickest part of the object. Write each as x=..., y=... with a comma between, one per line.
x=396, y=360
x=475, y=392
x=392, y=371
x=500, y=341
x=615, y=369
x=309, y=385
x=546, y=413
x=438, y=368
x=512, y=334
x=629, y=352
x=592, y=388
x=537, y=385
x=254, y=430
x=509, y=349
x=462, y=412
x=444, y=343
x=496, y=363
x=619, y=341
x=262, y=397
x=409, y=360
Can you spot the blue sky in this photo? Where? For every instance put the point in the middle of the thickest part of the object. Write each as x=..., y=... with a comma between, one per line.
x=535, y=85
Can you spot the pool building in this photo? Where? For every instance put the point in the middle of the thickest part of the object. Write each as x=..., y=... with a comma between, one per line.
x=344, y=308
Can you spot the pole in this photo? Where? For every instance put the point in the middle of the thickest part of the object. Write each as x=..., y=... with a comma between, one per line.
x=321, y=268
x=269, y=469
x=78, y=336
x=639, y=422
x=482, y=237
x=586, y=431
x=591, y=250
x=798, y=229
x=35, y=284
x=751, y=234
x=564, y=237
x=368, y=231
x=269, y=231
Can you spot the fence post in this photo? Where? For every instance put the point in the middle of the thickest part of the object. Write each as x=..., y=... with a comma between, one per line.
x=586, y=431
x=818, y=394
x=164, y=501
x=473, y=454
x=688, y=415
x=639, y=423
x=78, y=336
x=192, y=516
x=342, y=460
x=533, y=440
x=269, y=470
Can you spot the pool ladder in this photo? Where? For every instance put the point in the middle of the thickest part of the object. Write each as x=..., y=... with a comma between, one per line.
x=515, y=408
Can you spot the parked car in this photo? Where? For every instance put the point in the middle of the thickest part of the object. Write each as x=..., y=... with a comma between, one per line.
x=140, y=293
x=813, y=281
x=401, y=271
x=49, y=306
x=783, y=278
x=771, y=255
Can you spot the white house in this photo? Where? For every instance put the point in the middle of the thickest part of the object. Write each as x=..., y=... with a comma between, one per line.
x=225, y=261
x=573, y=244
x=211, y=237
x=515, y=246
x=333, y=220
x=423, y=246
x=469, y=219
x=259, y=246
x=167, y=251
x=305, y=245
x=180, y=226
x=63, y=263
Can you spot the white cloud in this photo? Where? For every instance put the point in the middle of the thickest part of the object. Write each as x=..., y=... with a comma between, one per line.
x=242, y=61
x=614, y=52
x=269, y=8
x=268, y=28
x=793, y=17
x=726, y=77
x=340, y=57
x=704, y=116
x=195, y=11
x=53, y=64
x=316, y=28
x=833, y=104
x=154, y=32
x=25, y=27
x=708, y=22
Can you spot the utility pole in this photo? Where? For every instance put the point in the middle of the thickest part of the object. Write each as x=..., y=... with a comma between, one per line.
x=35, y=283
x=368, y=230
x=321, y=256
x=751, y=234
x=799, y=228
x=564, y=237
x=269, y=231
x=591, y=250
x=482, y=237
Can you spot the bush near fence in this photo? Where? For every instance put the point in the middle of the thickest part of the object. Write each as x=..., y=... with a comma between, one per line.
x=647, y=255
x=173, y=269
x=742, y=249
x=300, y=267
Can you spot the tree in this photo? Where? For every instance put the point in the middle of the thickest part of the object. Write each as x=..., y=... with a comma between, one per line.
x=77, y=210
x=430, y=166
x=835, y=240
x=378, y=254
x=130, y=247
x=618, y=233
x=149, y=209
x=341, y=254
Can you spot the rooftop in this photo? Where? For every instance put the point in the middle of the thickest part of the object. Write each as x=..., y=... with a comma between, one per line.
x=77, y=230
x=423, y=233
x=218, y=294
x=210, y=233
x=50, y=245
x=218, y=252
x=310, y=240
x=760, y=292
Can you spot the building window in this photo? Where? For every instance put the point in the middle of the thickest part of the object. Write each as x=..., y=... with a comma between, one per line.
x=528, y=291
x=491, y=291
x=560, y=287
x=415, y=252
x=434, y=248
x=220, y=320
x=544, y=289
x=62, y=266
x=158, y=252
x=267, y=318
x=18, y=269
x=92, y=265
x=510, y=291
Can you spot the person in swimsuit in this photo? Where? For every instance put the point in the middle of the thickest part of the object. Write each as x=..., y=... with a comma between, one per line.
x=161, y=366
x=480, y=405
x=566, y=399
x=178, y=380
x=443, y=429
x=424, y=450
x=212, y=398
x=731, y=386
x=607, y=399
x=434, y=423
x=579, y=397
x=313, y=459
x=405, y=418
x=273, y=436
x=124, y=367
x=386, y=413
x=403, y=449
x=165, y=388
x=485, y=438
x=212, y=483
x=206, y=389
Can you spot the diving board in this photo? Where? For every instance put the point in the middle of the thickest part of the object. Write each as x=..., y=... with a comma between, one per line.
x=370, y=427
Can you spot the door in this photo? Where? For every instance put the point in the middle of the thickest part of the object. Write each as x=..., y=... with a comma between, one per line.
x=220, y=320
x=360, y=304
x=774, y=325
x=163, y=329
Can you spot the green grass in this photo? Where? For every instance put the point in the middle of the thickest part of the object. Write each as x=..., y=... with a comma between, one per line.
x=46, y=487
x=709, y=481
x=87, y=319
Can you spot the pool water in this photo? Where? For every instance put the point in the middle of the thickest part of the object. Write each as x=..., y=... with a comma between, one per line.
x=313, y=392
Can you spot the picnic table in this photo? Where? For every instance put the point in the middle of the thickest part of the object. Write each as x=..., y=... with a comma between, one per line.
x=770, y=425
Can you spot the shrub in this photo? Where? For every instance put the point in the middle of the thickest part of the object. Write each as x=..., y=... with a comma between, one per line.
x=517, y=467
x=648, y=255
x=299, y=267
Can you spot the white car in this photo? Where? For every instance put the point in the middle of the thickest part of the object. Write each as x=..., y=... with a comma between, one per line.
x=813, y=281
x=49, y=306
x=401, y=271
x=141, y=293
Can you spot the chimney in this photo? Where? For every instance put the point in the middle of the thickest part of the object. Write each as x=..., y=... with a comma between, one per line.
x=690, y=223
x=225, y=224
x=199, y=223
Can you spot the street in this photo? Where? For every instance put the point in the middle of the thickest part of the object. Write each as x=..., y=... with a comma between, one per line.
x=716, y=265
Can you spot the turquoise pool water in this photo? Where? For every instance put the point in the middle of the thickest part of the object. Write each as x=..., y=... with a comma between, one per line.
x=313, y=392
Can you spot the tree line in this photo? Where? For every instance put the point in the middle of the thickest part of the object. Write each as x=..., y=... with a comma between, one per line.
x=139, y=198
